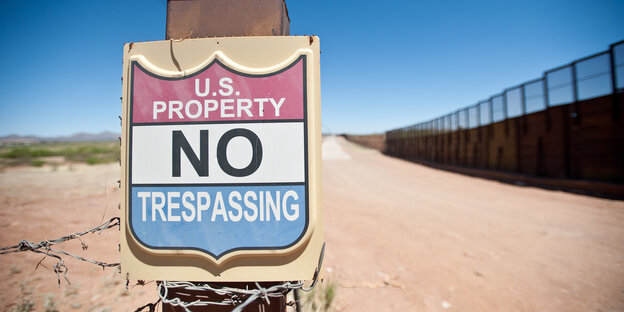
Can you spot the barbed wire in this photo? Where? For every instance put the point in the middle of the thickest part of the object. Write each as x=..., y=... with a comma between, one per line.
x=240, y=298
x=151, y=307
x=230, y=296
x=44, y=247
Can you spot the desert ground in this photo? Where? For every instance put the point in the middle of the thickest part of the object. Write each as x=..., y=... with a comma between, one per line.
x=400, y=237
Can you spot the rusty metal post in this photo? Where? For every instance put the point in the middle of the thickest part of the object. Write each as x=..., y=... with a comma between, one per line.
x=218, y=18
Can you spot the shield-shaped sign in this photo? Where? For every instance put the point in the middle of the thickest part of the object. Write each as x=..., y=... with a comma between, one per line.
x=221, y=159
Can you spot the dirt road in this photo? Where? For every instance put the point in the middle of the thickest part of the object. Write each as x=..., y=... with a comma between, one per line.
x=400, y=236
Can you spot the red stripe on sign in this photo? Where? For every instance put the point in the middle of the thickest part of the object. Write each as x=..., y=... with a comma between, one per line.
x=218, y=94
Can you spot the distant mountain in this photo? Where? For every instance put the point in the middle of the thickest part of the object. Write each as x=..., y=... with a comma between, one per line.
x=83, y=136
x=14, y=138
x=78, y=137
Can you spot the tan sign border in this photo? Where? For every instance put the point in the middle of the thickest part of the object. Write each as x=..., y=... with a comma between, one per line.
x=139, y=261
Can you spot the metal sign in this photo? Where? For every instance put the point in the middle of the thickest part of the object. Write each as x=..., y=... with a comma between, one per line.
x=221, y=154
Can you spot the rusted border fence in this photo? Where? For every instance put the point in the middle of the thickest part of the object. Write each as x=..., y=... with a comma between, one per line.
x=566, y=124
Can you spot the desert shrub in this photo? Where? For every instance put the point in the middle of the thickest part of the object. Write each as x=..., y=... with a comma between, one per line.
x=25, y=306
x=27, y=152
x=50, y=304
x=37, y=162
x=86, y=152
x=92, y=160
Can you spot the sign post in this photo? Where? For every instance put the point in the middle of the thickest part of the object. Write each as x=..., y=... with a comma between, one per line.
x=221, y=159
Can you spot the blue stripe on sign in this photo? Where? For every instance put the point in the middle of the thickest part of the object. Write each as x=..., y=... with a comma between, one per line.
x=218, y=219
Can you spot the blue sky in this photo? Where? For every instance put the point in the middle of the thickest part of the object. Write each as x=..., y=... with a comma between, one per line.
x=383, y=64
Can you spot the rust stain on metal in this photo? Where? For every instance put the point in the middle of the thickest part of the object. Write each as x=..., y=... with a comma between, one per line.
x=188, y=36
x=311, y=39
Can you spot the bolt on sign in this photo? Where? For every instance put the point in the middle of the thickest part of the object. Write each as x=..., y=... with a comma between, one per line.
x=221, y=159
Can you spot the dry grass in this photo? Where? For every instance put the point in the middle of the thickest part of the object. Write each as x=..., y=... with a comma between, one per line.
x=319, y=299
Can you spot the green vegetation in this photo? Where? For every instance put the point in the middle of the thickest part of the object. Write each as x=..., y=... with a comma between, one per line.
x=25, y=306
x=92, y=160
x=27, y=152
x=50, y=305
x=62, y=152
x=37, y=162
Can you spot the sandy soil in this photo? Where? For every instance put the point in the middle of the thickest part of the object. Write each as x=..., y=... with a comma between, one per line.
x=43, y=203
x=400, y=236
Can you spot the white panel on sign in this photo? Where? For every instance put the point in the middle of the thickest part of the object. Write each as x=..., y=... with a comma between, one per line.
x=282, y=153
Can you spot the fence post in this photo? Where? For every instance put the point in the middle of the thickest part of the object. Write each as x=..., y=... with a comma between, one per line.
x=546, y=102
x=574, y=86
x=523, y=103
x=615, y=98
x=575, y=114
x=505, y=115
x=217, y=18
x=479, y=122
x=616, y=107
x=438, y=139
